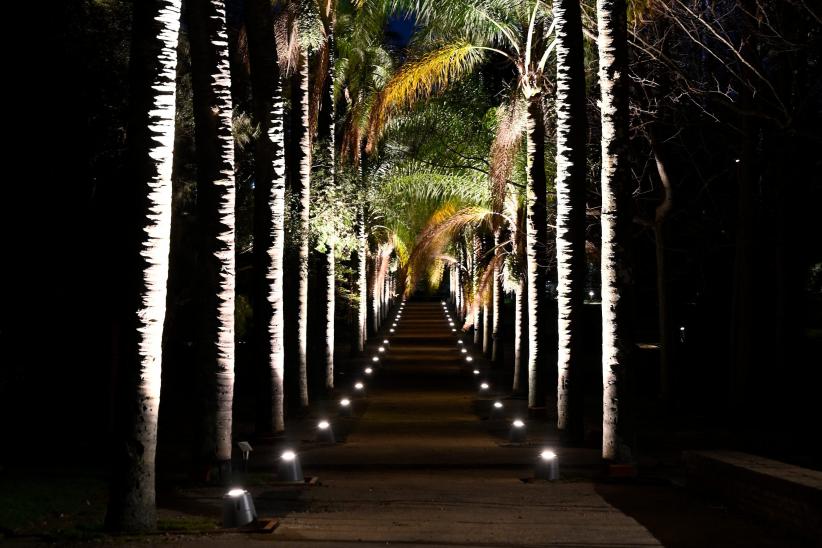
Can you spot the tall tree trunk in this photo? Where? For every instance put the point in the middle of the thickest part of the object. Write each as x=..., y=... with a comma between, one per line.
x=304, y=214
x=269, y=213
x=616, y=276
x=362, y=279
x=376, y=288
x=151, y=148
x=520, y=324
x=330, y=270
x=665, y=333
x=477, y=306
x=570, y=231
x=486, y=325
x=496, y=305
x=213, y=109
x=536, y=256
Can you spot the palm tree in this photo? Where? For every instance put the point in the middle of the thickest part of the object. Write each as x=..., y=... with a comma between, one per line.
x=517, y=32
x=151, y=145
x=613, y=82
x=570, y=224
x=213, y=109
x=303, y=211
x=269, y=212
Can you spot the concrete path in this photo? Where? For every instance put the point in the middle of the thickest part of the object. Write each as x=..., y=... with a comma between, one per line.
x=420, y=466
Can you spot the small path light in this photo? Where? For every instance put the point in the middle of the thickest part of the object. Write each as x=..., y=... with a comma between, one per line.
x=497, y=410
x=484, y=387
x=547, y=467
x=375, y=359
x=518, y=432
x=238, y=508
x=459, y=341
x=368, y=371
x=591, y=294
x=476, y=372
x=385, y=341
x=325, y=434
x=391, y=330
x=464, y=350
x=345, y=407
x=381, y=349
x=469, y=359
x=359, y=387
x=289, y=468
x=246, y=449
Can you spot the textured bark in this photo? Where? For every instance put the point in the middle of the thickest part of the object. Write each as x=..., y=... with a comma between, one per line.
x=570, y=231
x=304, y=213
x=213, y=108
x=376, y=289
x=476, y=306
x=520, y=325
x=362, y=289
x=269, y=213
x=329, y=317
x=151, y=146
x=615, y=219
x=486, y=328
x=536, y=237
x=330, y=270
x=496, y=306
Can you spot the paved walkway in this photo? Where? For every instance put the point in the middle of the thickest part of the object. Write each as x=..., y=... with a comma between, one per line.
x=420, y=466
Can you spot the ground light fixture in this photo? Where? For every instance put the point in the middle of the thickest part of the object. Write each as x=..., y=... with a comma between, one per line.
x=476, y=371
x=289, y=468
x=459, y=341
x=368, y=370
x=385, y=341
x=518, y=431
x=391, y=330
x=381, y=349
x=238, y=508
x=345, y=407
x=469, y=359
x=484, y=387
x=359, y=387
x=497, y=409
x=325, y=434
x=453, y=330
x=464, y=350
x=547, y=467
x=375, y=359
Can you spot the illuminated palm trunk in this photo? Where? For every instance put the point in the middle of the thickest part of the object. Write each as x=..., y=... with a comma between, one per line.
x=362, y=289
x=156, y=26
x=520, y=324
x=269, y=213
x=304, y=211
x=570, y=231
x=476, y=305
x=496, y=306
x=536, y=238
x=612, y=46
x=330, y=270
x=486, y=325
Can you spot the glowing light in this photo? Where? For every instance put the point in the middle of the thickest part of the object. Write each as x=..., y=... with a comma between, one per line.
x=394, y=324
x=345, y=402
x=453, y=329
x=359, y=386
x=288, y=456
x=381, y=349
x=368, y=370
x=451, y=324
x=547, y=455
x=237, y=492
x=464, y=350
x=476, y=371
x=375, y=359
x=391, y=330
x=385, y=341
x=518, y=424
x=323, y=425
x=737, y=160
x=484, y=386
x=591, y=294
x=497, y=405
x=459, y=341
x=682, y=328
x=469, y=359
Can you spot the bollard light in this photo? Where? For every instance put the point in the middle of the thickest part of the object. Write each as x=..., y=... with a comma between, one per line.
x=238, y=508
x=325, y=434
x=518, y=432
x=469, y=359
x=289, y=468
x=591, y=294
x=345, y=407
x=547, y=467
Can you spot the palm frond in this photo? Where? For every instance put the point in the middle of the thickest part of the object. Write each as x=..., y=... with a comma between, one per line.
x=420, y=79
x=507, y=141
